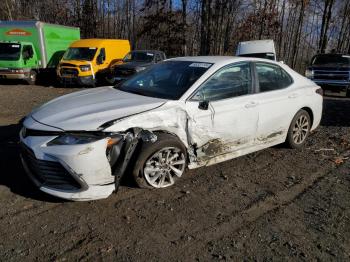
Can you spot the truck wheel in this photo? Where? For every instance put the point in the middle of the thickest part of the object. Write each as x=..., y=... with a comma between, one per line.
x=109, y=80
x=161, y=163
x=31, y=80
x=299, y=130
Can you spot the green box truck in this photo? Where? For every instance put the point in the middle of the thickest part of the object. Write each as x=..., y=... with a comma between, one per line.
x=30, y=47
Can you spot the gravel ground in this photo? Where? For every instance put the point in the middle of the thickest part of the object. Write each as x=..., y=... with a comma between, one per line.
x=275, y=204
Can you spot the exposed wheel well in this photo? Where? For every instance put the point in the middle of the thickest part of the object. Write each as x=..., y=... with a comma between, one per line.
x=309, y=111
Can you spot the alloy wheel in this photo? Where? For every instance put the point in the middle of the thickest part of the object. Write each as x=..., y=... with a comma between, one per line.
x=301, y=129
x=163, y=167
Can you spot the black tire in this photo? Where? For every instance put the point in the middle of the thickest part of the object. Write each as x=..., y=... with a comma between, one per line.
x=31, y=80
x=291, y=141
x=109, y=81
x=148, y=149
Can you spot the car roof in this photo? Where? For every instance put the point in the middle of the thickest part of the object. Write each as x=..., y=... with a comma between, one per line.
x=221, y=59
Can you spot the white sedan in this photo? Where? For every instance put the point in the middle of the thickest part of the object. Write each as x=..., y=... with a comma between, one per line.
x=183, y=112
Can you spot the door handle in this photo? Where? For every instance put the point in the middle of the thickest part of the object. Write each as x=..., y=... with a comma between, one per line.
x=294, y=95
x=251, y=104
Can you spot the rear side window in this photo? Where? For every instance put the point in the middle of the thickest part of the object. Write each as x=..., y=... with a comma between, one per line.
x=272, y=77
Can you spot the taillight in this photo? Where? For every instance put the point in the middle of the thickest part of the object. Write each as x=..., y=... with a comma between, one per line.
x=319, y=91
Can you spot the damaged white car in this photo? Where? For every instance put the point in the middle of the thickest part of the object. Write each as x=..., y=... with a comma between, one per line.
x=182, y=113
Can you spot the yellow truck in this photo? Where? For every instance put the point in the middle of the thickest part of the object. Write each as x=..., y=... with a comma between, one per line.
x=85, y=58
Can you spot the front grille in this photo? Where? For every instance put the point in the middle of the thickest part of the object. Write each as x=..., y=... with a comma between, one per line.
x=124, y=72
x=48, y=173
x=69, y=71
x=331, y=75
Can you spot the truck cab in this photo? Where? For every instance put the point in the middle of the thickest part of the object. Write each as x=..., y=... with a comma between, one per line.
x=331, y=72
x=85, y=58
x=18, y=60
x=258, y=48
x=28, y=48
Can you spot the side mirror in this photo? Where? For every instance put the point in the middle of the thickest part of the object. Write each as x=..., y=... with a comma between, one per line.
x=203, y=105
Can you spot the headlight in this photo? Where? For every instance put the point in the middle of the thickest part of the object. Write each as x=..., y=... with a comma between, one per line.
x=78, y=139
x=140, y=68
x=309, y=73
x=85, y=68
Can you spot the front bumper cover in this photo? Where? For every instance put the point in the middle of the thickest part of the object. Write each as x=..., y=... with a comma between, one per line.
x=97, y=175
x=87, y=164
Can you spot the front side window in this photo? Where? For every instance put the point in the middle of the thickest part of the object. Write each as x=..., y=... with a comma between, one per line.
x=101, y=56
x=231, y=81
x=169, y=80
x=80, y=53
x=9, y=51
x=27, y=52
x=272, y=77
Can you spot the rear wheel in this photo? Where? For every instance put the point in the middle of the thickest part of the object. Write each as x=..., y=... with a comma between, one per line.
x=161, y=163
x=299, y=129
x=31, y=80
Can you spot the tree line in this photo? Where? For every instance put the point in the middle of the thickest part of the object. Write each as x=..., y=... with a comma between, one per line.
x=300, y=28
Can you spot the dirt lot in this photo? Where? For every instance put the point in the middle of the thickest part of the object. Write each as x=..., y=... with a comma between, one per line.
x=271, y=205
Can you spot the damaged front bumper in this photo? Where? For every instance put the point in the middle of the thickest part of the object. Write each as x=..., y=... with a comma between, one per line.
x=79, y=172
x=76, y=172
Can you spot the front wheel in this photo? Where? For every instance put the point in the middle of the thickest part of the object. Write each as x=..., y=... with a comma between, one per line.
x=31, y=80
x=299, y=129
x=161, y=163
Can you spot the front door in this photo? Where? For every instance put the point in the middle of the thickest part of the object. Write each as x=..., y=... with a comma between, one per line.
x=223, y=114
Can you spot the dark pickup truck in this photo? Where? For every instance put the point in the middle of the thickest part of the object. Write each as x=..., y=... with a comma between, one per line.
x=331, y=72
x=134, y=62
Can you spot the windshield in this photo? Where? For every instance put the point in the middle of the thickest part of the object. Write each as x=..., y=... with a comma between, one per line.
x=169, y=80
x=270, y=56
x=139, y=57
x=80, y=53
x=10, y=52
x=331, y=59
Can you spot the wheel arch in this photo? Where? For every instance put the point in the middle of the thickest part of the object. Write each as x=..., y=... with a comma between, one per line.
x=311, y=114
x=161, y=131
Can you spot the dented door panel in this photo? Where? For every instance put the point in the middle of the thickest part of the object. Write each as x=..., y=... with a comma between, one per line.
x=227, y=126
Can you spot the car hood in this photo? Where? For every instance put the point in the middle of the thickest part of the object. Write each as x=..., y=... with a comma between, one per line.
x=89, y=109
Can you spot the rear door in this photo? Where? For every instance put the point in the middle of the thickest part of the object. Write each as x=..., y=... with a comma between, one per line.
x=278, y=102
x=223, y=114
